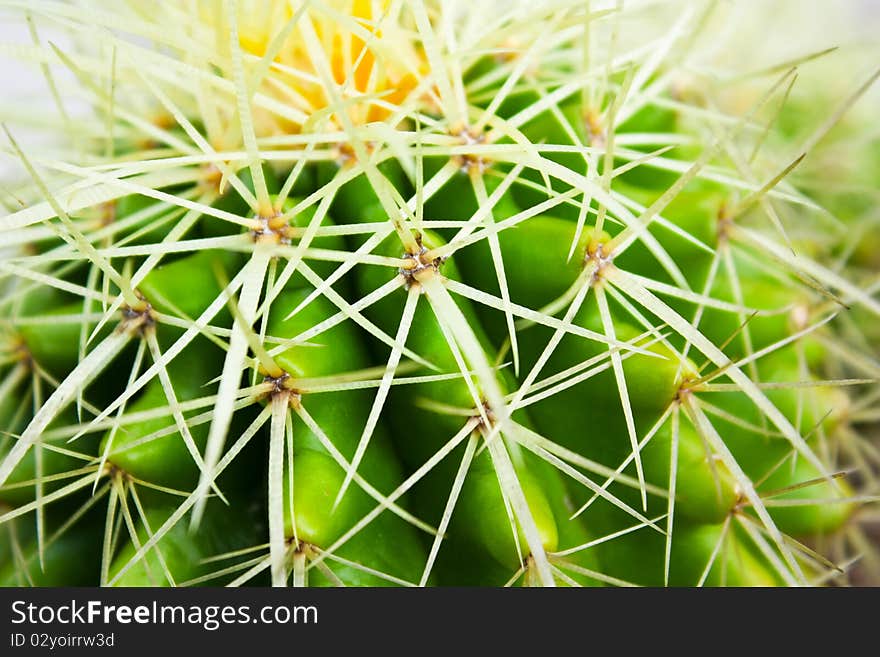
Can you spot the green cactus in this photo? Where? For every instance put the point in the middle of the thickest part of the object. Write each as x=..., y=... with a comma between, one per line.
x=413, y=296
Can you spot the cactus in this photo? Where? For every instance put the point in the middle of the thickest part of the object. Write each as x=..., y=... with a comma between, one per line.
x=409, y=293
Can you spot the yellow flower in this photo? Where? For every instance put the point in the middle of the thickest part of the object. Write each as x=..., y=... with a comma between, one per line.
x=371, y=57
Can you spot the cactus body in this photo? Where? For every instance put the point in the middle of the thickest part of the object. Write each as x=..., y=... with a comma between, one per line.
x=429, y=299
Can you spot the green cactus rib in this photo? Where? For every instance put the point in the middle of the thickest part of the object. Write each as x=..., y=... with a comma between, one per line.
x=385, y=294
